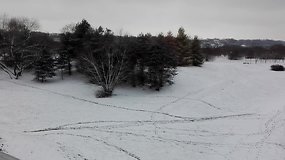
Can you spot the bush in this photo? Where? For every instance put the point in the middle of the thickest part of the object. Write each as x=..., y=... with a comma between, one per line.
x=234, y=56
x=103, y=94
x=277, y=67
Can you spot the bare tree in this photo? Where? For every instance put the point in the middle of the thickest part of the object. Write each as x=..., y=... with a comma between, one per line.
x=16, y=52
x=70, y=28
x=3, y=21
x=106, y=70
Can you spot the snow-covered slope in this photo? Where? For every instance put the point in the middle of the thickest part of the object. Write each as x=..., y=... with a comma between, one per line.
x=225, y=110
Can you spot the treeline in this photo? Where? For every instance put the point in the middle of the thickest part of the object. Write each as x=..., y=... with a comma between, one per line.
x=107, y=59
x=276, y=52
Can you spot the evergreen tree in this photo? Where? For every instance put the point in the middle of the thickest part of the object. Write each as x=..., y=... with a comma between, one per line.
x=62, y=62
x=160, y=63
x=68, y=47
x=82, y=30
x=81, y=36
x=74, y=41
x=44, y=67
x=137, y=59
x=184, y=48
x=197, y=58
x=131, y=59
x=171, y=43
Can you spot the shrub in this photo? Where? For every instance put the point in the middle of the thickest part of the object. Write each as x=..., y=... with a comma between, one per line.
x=103, y=94
x=234, y=56
x=277, y=67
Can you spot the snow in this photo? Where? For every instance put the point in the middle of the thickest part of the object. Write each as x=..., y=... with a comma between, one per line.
x=225, y=110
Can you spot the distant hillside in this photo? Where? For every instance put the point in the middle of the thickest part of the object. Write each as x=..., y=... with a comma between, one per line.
x=245, y=43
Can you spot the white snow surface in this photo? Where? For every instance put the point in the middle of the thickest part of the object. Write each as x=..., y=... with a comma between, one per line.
x=225, y=110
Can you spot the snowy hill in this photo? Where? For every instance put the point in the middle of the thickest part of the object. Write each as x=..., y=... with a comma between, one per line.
x=223, y=111
x=243, y=42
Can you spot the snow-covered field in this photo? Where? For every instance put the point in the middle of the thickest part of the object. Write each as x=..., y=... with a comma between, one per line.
x=225, y=110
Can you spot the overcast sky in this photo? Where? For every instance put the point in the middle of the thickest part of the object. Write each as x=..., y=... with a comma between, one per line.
x=241, y=19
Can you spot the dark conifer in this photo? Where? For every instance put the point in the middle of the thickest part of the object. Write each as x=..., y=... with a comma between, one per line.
x=142, y=50
x=63, y=62
x=68, y=49
x=160, y=63
x=44, y=67
x=197, y=58
x=184, y=48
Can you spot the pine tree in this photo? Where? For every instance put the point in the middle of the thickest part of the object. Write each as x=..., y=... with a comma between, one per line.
x=74, y=41
x=44, y=67
x=131, y=56
x=160, y=63
x=82, y=30
x=184, y=48
x=197, y=58
x=138, y=59
x=62, y=62
x=69, y=44
x=171, y=43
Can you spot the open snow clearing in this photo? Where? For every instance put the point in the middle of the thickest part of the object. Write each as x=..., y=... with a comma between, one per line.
x=225, y=110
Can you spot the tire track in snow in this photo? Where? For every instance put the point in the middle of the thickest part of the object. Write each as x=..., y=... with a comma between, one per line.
x=158, y=138
x=193, y=99
x=120, y=149
x=277, y=144
x=147, y=122
x=152, y=117
x=98, y=103
x=270, y=127
x=185, y=97
x=71, y=154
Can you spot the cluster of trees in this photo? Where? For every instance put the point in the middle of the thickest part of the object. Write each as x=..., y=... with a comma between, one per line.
x=107, y=59
x=20, y=44
x=144, y=60
x=276, y=52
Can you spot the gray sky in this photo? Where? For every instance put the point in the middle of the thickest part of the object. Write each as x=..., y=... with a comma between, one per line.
x=241, y=19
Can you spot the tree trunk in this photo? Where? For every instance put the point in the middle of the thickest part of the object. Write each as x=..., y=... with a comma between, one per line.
x=69, y=67
x=61, y=73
